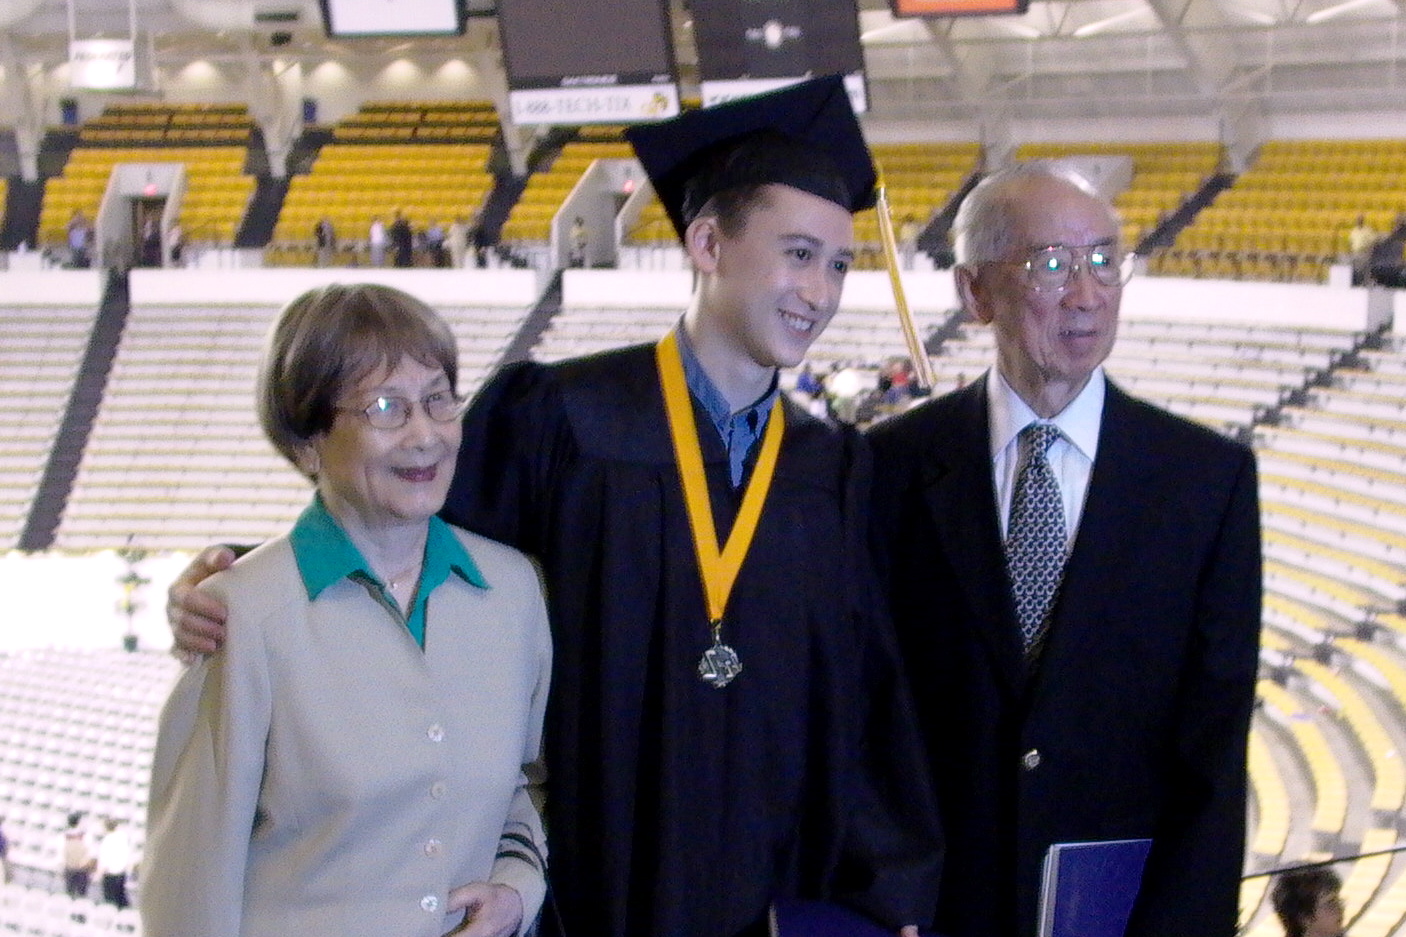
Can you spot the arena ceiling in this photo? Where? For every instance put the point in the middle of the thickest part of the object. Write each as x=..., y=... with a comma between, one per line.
x=1063, y=58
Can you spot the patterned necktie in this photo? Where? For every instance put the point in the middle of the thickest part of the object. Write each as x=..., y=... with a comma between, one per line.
x=1035, y=538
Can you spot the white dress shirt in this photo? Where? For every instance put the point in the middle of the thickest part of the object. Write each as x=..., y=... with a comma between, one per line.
x=1071, y=456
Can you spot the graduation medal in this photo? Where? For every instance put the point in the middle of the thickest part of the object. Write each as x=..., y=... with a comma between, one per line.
x=717, y=569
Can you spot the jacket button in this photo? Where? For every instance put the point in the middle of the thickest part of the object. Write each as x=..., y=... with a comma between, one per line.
x=429, y=903
x=1030, y=760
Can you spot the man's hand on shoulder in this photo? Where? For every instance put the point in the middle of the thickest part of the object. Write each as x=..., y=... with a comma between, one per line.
x=197, y=619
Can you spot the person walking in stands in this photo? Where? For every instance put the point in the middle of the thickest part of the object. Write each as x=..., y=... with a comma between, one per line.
x=1309, y=902
x=723, y=730
x=578, y=240
x=457, y=240
x=434, y=245
x=115, y=862
x=1075, y=580
x=376, y=241
x=78, y=858
x=402, y=240
x=176, y=244
x=324, y=238
x=151, y=242
x=80, y=241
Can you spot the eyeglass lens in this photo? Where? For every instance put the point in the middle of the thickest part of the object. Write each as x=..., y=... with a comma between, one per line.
x=394, y=412
x=1051, y=267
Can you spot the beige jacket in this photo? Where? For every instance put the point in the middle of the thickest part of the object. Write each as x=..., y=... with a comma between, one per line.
x=323, y=775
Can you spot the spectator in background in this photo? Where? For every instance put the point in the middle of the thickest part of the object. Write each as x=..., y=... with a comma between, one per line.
x=176, y=244
x=324, y=238
x=908, y=233
x=402, y=240
x=1361, y=239
x=78, y=858
x=376, y=241
x=480, y=241
x=4, y=854
x=1308, y=902
x=114, y=862
x=578, y=241
x=457, y=241
x=1075, y=581
x=80, y=241
x=151, y=242
x=434, y=243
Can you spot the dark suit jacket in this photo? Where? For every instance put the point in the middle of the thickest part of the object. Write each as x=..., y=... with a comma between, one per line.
x=1135, y=721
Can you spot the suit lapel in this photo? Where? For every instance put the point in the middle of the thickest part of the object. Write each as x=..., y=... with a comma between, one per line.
x=1107, y=527
x=961, y=498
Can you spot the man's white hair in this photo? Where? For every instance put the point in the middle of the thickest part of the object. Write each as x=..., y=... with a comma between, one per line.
x=984, y=224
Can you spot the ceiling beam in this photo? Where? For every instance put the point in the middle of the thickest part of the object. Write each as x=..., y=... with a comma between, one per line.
x=1209, y=58
x=967, y=76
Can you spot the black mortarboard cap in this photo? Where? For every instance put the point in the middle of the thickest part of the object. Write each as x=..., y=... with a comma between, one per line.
x=805, y=136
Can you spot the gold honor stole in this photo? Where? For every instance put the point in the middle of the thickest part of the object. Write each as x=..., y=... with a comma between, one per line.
x=716, y=568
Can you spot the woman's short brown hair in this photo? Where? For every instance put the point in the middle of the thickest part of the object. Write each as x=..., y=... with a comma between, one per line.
x=327, y=340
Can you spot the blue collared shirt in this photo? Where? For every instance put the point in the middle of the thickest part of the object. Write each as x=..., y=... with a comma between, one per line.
x=325, y=554
x=739, y=431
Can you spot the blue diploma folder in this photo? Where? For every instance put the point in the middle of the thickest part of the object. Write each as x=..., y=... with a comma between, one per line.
x=1089, y=888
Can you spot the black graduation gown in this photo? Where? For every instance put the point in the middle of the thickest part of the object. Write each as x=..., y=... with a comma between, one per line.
x=676, y=809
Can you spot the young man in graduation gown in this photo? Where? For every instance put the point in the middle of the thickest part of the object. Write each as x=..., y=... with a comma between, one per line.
x=724, y=729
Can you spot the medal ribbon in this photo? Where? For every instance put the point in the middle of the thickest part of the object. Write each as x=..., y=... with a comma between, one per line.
x=718, y=570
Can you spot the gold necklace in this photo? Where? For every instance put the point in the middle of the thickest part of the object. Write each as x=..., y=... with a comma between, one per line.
x=407, y=576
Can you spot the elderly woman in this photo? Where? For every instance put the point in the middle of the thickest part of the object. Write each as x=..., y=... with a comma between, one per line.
x=356, y=759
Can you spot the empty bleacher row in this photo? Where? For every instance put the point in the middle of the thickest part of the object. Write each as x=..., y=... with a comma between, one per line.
x=41, y=350
x=179, y=124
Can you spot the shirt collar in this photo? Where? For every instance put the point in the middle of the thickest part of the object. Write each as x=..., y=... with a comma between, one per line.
x=707, y=393
x=1079, y=421
x=325, y=554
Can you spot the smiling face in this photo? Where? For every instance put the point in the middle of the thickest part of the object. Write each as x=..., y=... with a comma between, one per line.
x=1048, y=343
x=377, y=479
x=772, y=286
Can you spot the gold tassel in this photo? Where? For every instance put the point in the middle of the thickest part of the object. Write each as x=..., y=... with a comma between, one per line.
x=922, y=367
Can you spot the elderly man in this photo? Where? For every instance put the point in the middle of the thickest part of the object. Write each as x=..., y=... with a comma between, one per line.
x=1075, y=577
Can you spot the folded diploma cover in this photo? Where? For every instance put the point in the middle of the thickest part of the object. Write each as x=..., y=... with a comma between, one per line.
x=1089, y=888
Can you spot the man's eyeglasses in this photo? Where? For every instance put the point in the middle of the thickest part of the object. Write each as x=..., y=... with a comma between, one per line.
x=442, y=406
x=1049, y=269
